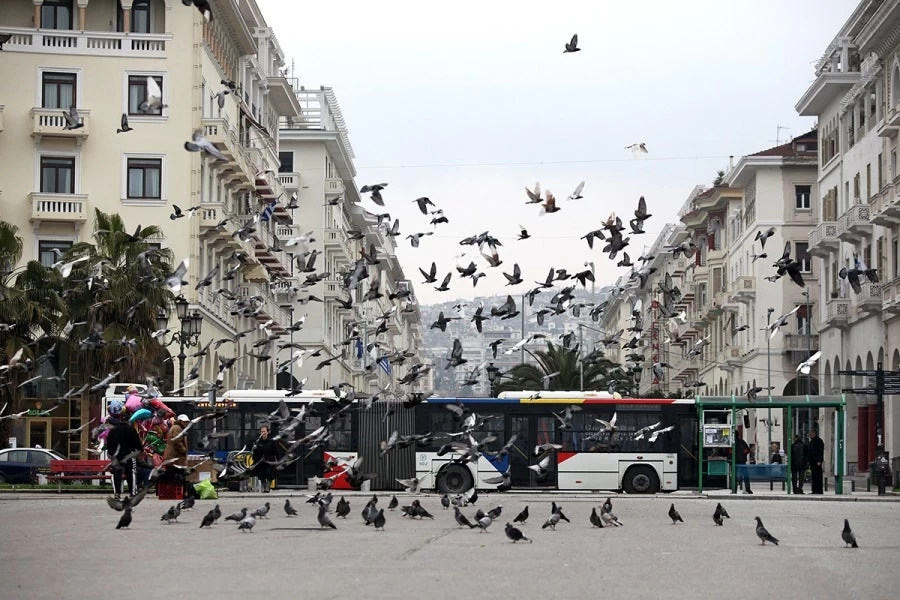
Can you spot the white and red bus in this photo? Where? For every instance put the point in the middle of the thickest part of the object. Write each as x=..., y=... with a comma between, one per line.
x=589, y=455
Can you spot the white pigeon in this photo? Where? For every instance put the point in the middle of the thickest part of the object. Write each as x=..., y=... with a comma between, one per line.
x=608, y=425
x=807, y=364
x=656, y=433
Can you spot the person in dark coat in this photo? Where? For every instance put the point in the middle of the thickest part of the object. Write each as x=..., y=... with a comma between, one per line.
x=265, y=452
x=798, y=464
x=122, y=441
x=741, y=452
x=815, y=454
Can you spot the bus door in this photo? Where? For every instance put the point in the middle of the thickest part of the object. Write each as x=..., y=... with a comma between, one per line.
x=544, y=433
x=520, y=452
x=688, y=448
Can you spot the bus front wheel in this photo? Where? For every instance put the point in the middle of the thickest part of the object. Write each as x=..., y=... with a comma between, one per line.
x=640, y=480
x=455, y=479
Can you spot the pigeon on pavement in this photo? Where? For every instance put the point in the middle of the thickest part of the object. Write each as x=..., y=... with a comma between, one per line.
x=764, y=534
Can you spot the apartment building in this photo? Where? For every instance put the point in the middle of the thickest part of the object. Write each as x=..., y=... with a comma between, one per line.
x=856, y=98
x=98, y=56
x=317, y=173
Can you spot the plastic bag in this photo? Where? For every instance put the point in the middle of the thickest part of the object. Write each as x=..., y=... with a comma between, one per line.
x=205, y=490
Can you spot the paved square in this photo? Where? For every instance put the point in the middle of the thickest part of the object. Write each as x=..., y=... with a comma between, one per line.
x=69, y=548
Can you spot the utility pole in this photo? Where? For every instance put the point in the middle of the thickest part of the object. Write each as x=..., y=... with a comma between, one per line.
x=522, y=349
x=808, y=353
x=580, y=359
x=769, y=376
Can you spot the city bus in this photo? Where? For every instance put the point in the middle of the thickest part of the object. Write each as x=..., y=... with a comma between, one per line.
x=584, y=455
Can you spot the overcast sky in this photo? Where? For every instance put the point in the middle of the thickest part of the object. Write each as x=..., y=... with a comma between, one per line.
x=471, y=102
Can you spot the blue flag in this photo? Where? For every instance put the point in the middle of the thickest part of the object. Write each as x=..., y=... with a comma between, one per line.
x=385, y=364
x=268, y=211
x=359, y=348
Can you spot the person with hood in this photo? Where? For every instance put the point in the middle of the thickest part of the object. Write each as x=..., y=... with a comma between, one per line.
x=121, y=441
x=798, y=464
x=815, y=456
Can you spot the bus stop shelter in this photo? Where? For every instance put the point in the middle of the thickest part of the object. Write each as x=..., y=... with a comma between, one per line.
x=721, y=435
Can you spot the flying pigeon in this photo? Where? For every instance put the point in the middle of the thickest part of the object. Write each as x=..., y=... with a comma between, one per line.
x=199, y=143
x=807, y=364
x=572, y=46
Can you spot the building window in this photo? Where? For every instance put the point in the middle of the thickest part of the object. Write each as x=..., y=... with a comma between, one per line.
x=801, y=255
x=56, y=14
x=880, y=173
x=869, y=181
x=137, y=94
x=801, y=193
x=58, y=174
x=46, y=254
x=145, y=178
x=140, y=17
x=58, y=90
x=286, y=160
x=803, y=322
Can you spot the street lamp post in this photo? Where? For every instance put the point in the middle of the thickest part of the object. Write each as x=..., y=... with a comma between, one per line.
x=189, y=334
x=808, y=378
x=492, y=375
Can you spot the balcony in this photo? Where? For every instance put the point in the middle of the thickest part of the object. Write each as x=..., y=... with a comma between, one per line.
x=883, y=211
x=824, y=239
x=724, y=302
x=890, y=297
x=797, y=342
x=220, y=133
x=49, y=122
x=854, y=225
x=333, y=187
x=890, y=126
x=743, y=290
x=837, y=313
x=58, y=208
x=263, y=244
x=91, y=43
x=869, y=300
x=698, y=321
x=289, y=181
x=715, y=258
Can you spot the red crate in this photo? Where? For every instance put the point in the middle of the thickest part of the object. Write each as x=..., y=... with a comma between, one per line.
x=169, y=491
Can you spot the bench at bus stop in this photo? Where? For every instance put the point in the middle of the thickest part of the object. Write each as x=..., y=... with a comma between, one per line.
x=765, y=472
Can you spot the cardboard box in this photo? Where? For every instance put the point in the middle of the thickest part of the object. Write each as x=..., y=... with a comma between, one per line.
x=205, y=471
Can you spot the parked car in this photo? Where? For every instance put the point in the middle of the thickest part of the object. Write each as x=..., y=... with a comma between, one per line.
x=20, y=465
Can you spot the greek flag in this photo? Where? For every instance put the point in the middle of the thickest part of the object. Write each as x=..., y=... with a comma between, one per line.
x=268, y=211
x=385, y=364
x=359, y=348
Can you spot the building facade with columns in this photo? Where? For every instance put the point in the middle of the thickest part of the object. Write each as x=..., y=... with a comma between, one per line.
x=856, y=98
x=97, y=55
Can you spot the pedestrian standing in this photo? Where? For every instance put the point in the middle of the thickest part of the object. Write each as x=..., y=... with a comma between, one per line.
x=798, y=464
x=265, y=453
x=815, y=454
x=121, y=441
x=741, y=452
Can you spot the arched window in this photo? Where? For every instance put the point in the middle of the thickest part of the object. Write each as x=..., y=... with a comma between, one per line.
x=895, y=87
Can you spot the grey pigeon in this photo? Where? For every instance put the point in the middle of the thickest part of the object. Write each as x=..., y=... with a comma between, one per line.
x=673, y=514
x=247, y=524
x=551, y=522
x=610, y=519
x=125, y=521
x=393, y=503
x=595, y=519
x=324, y=521
x=515, y=534
x=199, y=143
x=288, y=509
x=847, y=535
x=461, y=519
x=171, y=515
x=607, y=506
x=379, y=520
x=238, y=516
x=494, y=513
x=262, y=511
x=484, y=522
x=764, y=534
x=445, y=501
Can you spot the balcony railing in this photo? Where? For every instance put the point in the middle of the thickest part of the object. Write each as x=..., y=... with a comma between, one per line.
x=824, y=238
x=854, y=224
x=837, y=312
x=50, y=122
x=65, y=208
x=289, y=181
x=890, y=296
x=333, y=187
x=95, y=43
x=743, y=289
x=869, y=298
x=797, y=342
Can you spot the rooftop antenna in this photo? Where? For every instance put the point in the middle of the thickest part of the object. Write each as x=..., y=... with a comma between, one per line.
x=778, y=129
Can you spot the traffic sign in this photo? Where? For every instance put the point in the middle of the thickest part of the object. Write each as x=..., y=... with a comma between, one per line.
x=859, y=373
x=867, y=391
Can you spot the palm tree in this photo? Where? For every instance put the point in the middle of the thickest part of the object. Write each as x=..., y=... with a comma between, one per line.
x=113, y=301
x=720, y=178
x=30, y=308
x=564, y=362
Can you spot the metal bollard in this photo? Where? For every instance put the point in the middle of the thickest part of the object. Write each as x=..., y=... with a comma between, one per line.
x=868, y=483
x=852, y=485
x=825, y=482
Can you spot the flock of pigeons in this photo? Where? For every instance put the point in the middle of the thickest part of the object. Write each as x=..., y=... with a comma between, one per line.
x=374, y=515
